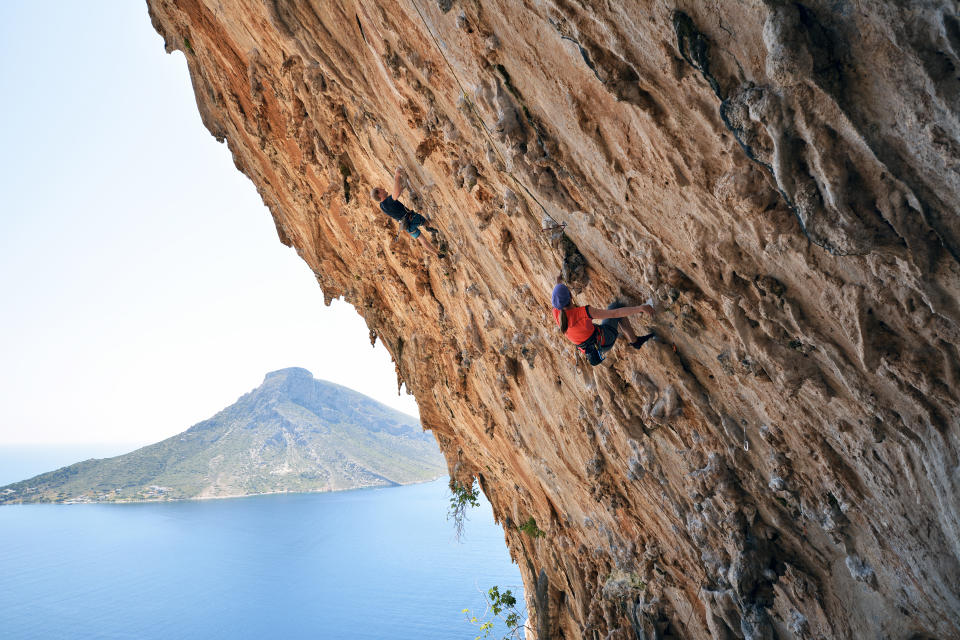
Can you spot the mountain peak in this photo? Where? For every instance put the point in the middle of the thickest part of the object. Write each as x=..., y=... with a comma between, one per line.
x=293, y=433
x=289, y=372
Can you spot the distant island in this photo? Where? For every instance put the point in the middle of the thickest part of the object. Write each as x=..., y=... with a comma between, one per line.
x=293, y=433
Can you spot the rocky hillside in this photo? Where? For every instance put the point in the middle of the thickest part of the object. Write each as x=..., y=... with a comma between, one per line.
x=783, y=177
x=292, y=433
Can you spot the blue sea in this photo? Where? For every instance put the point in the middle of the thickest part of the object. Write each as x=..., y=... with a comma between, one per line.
x=366, y=564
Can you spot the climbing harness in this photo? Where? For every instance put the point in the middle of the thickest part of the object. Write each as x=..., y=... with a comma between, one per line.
x=402, y=224
x=591, y=347
x=593, y=354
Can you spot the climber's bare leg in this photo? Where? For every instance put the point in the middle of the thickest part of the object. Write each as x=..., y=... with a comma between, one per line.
x=428, y=245
x=627, y=330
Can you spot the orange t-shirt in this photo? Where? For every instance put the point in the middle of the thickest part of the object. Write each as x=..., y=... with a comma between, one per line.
x=579, y=325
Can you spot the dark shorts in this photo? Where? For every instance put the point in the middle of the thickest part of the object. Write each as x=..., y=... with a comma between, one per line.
x=413, y=224
x=610, y=328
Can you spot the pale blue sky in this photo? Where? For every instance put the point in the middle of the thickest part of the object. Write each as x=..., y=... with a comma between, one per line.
x=142, y=285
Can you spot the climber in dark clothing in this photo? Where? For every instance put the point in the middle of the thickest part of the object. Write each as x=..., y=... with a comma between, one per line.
x=595, y=340
x=409, y=220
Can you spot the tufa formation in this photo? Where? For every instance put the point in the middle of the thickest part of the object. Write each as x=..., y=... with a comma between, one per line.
x=782, y=177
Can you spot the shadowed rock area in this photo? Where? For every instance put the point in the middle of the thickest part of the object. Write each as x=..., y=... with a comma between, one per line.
x=783, y=178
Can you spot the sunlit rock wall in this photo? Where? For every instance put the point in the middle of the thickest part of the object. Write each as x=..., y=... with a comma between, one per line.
x=784, y=178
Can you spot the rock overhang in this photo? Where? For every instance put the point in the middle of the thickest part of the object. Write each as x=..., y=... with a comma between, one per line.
x=791, y=206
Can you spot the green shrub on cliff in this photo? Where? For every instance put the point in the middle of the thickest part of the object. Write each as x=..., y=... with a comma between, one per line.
x=531, y=529
x=461, y=497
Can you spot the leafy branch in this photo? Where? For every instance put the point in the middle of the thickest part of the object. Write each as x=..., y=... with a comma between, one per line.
x=502, y=605
x=462, y=497
x=531, y=529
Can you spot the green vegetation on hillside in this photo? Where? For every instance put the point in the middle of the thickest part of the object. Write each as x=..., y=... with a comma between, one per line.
x=292, y=433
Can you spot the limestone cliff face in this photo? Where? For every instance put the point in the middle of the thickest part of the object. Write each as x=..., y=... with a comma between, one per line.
x=783, y=177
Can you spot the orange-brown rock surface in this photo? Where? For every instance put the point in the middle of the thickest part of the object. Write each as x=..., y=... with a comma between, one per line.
x=784, y=179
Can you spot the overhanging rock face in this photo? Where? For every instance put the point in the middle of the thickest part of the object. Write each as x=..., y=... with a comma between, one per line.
x=784, y=178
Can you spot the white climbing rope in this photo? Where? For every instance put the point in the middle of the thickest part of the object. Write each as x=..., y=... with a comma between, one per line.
x=466, y=98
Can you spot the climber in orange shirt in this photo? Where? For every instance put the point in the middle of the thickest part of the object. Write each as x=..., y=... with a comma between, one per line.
x=595, y=340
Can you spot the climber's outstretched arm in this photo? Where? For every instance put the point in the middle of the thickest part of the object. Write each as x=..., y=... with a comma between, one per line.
x=396, y=183
x=622, y=312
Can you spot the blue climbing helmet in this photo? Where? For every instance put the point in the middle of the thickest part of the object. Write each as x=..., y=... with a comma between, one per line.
x=561, y=296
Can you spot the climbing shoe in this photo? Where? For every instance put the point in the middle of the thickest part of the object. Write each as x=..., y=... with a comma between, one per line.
x=639, y=342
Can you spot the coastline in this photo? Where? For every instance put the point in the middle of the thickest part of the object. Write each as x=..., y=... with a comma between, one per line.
x=223, y=497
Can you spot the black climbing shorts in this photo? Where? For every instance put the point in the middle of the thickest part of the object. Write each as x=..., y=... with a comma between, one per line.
x=610, y=328
x=610, y=335
x=413, y=224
